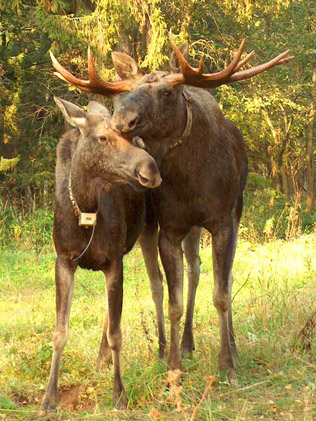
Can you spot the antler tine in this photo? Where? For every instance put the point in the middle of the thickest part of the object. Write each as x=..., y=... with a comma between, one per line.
x=60, y=77
x=201, y=65
x=195, y=77
x=231, y=67
x=285, y=60
x=246, y=74
x=93, y=76
x=95, y=84
x=244, y=61
x=185, y=67
x=91, y=69
x=190, y=72
x=66, y=76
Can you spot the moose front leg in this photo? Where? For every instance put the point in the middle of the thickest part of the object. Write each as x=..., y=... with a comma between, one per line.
x=148, y=241
x=114, y=285
x=105, y=355
x=64, y=287
x=172, y=259
x=191, y=245
x=223, y=247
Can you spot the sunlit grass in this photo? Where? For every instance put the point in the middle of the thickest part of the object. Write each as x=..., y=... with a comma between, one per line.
x=274, y=296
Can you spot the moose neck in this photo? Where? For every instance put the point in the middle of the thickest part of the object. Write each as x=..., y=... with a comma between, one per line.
x=175, y=131
x=176, y=124
x=84, y=189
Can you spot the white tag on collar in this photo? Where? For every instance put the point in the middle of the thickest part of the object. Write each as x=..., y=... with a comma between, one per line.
x=87, y=219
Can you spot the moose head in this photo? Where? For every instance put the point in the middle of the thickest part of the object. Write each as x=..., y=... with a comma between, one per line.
x=152, y=98
x=103, y=154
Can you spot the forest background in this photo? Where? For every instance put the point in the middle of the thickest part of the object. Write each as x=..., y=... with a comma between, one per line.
x=275, y=111
x=275, y=266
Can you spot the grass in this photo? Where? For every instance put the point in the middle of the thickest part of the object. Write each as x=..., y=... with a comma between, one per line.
x=274, y=298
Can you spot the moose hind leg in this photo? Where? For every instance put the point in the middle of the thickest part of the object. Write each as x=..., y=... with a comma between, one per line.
x=172, y=259
x=114, y=284
x=64, y=287
x=148, y=241
x=105, y=354
x=224, y=245
x=191, y=245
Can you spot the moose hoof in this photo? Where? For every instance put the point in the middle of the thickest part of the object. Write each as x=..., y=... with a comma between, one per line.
x=162, y=352
x=232, y=377
x=120, y=403
x=47, y=409
x=45, y=412
x=104, y=360
x=187, y=347
x=49, y=405
x=175, y=363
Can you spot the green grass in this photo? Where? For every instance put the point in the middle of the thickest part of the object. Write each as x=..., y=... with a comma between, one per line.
x=274, y=297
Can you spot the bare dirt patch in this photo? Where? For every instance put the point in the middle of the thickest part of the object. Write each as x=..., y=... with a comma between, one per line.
x=76, y=398
x=24, y=400
x=70, y=398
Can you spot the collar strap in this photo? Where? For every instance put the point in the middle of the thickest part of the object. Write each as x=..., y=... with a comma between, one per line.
x=85, y=219
x=188, y=127
x=74, y=203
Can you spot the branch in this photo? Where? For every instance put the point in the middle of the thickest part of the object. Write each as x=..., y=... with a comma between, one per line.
x=271, y=126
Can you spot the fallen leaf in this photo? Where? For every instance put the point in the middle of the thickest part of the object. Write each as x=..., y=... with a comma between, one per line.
x=155, y=415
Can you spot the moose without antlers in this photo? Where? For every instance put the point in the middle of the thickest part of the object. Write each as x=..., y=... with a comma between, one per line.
x=202, y=160
x=98, y=217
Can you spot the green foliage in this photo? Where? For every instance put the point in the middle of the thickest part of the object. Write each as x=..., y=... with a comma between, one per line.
x=274, y=298
x=31, y=231
x=268, y=215
x=7, y=404
x=8, y=164
x=272, y=109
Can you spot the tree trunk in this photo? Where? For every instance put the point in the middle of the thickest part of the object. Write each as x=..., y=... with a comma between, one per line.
x=277, y=174
x=276, y=151
x=285, y=184
x=310, y=161
x=74, y=7
x=276, y=164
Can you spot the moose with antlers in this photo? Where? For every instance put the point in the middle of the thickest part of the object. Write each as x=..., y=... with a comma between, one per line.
x=202, y=161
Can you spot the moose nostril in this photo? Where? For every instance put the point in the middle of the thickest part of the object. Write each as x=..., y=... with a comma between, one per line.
x=143, y=179
x=133, y=122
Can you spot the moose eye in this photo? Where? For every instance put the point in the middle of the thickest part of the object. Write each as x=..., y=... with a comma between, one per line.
x=102, y=139
x=167, y=93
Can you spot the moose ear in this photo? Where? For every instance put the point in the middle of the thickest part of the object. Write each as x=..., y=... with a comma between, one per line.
x=174, y=62
x=73, y=114
x=125, y=66
x=95, y=107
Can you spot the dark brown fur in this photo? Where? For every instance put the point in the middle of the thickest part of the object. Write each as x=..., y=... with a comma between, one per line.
x=204, y=175
x=100, y=164
x=203, y=182
x=120, y=217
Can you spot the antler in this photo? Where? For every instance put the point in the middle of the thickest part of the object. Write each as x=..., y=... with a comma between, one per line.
x=95, y=84
x=195, y=77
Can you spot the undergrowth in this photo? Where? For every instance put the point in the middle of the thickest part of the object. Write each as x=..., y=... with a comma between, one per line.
x=274, y=309
x=267, y=216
